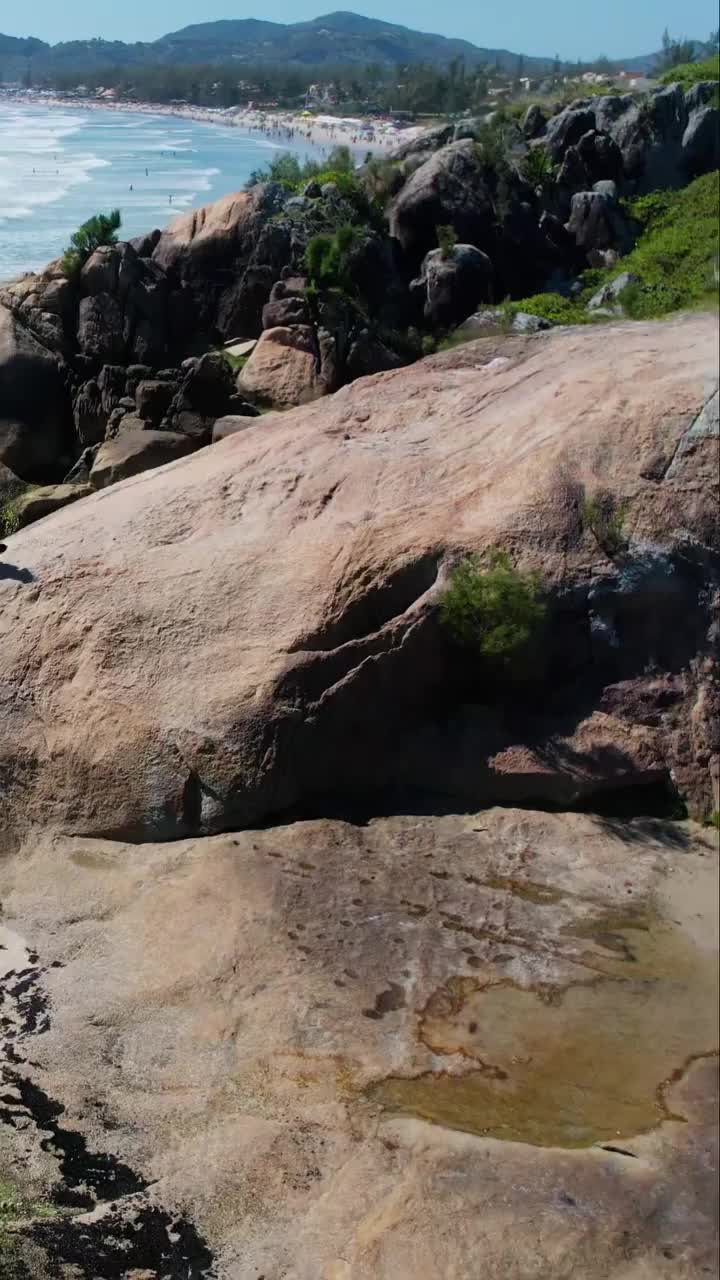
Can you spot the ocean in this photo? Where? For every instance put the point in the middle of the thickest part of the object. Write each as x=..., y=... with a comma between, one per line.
x=59, y=166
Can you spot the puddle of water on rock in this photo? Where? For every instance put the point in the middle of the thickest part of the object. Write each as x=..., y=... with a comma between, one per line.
x=577, y=1065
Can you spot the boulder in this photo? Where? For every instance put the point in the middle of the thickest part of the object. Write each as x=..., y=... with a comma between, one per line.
x=207, y=385
x=244, y=635
x=701, y=141
x=230, y=425
x=494, y=320
x=79, y=473
x=283, y=369
x=112, y=385
x=89, y=415
x=153, y=398
x=534, y=121
x=449, y=189
x=566, y=129
x=42, y=500
x=596, y=222
x=100, y=273
x=133, y=451
x=368, y=354
x=452, y=283
x=609, y=294
x=285, y=311
x=34, y=408
x=100, y=329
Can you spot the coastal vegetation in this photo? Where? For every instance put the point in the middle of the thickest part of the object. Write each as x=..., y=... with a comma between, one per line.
x=493, y=608
x=99, y=230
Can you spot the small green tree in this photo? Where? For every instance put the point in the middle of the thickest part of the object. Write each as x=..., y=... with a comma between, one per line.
x=604, y=515
x=537, y=168
x=447, y=239
x=327, y=259
x=98, y=230
x=492, y=607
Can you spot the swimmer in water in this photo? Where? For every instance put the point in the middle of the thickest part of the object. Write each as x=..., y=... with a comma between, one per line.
x=146, y=173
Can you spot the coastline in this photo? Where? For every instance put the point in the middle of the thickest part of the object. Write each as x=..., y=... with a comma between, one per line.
x=360, y=134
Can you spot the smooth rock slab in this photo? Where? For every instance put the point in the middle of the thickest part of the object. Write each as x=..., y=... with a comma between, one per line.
x=225, y=1023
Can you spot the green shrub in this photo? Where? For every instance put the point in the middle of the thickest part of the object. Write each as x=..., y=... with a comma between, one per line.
x=713, y=820
x=99, y=230
x=286, y=168
x=538, y=169
x=604, y=516
x=9, y=517
x=327, y=259
x=690, y=73
x=447, y=239
x=493, y=608
x=552, y=307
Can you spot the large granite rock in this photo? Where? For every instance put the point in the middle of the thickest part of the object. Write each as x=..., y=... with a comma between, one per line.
x=393, y=1051
x=34, y=409
x=449, y=189
x=286, y=583
x=452, y=284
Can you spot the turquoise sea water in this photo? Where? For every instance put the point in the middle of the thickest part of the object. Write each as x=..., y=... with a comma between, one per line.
x=58, y=166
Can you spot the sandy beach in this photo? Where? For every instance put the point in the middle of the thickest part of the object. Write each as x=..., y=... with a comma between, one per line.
x=360, y=134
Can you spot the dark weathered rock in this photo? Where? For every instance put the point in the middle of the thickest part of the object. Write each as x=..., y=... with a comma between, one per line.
x=100, y=273
x=449, y=189
x=112, y=383
x=100, y=328
x=566, y=129
x=88, y=414
x=367, y=354
x=284, y=311
x=534, y=122
x=701, y=141
x=153, y=398
x=597, y=223
x=79, y=473
x=453, y=284
x=34, y=407
x=134, y=451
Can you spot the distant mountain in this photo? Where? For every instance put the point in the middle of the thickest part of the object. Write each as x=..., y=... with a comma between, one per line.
x=335, y=39
x=651, y=61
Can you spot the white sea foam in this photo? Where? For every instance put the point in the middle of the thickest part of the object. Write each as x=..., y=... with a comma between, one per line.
x=59, y=166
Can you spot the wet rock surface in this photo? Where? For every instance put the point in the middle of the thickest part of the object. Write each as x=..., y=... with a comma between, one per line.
x=303, y=1051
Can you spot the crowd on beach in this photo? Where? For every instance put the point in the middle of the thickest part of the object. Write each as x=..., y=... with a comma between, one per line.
x=280, y=127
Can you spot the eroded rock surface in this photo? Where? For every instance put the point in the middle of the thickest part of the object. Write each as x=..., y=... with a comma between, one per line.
x=365, y=1053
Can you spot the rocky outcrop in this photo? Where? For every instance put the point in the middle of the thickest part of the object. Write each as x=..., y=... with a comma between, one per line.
x=663, y=140
x=296, y=568
x=502, y=1021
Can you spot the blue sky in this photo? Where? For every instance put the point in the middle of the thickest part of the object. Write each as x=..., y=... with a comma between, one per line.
x=572, y=29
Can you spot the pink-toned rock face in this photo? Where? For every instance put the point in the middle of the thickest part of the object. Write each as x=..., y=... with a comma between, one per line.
x=204, y=230
x=252, y=628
